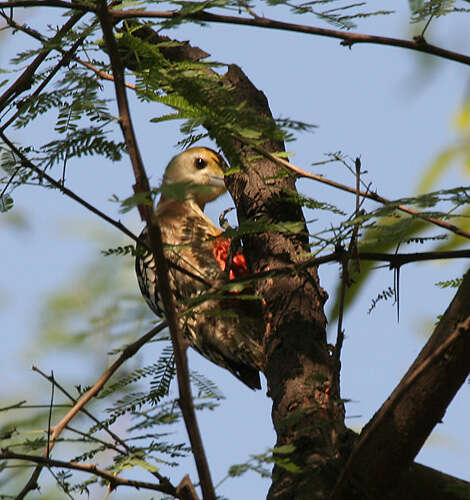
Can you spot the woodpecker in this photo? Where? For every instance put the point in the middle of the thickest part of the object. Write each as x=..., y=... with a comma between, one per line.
x=224, y=328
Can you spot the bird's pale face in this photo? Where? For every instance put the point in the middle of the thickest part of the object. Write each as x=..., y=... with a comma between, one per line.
x=198, y=166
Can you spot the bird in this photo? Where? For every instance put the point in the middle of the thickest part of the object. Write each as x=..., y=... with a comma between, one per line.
x=221, y=325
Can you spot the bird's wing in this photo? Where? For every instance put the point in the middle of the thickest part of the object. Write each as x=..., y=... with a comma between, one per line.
x=224, y=328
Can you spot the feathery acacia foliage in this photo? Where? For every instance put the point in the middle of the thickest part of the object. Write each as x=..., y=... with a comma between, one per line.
x=182, y=81
x=422, y=10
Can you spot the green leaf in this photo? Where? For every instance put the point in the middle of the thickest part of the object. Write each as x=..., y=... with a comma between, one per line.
x=284, y=449
x=132, y=462
x=121, y=250
x=287, y=465
x=6, y=203
x=249, y=133
x=453, y=283
x=167, y=117
x=135, y=200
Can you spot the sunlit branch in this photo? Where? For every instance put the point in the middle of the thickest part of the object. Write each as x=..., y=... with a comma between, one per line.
x=348, y=39
x=300, y=172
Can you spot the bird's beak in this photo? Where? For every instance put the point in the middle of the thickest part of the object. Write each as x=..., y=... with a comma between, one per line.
x=216, y=181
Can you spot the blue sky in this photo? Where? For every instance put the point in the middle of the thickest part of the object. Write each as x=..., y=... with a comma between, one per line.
x=390, y=106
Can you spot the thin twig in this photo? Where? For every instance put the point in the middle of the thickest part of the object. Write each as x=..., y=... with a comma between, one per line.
x=50, y=416
x=24, y=81
x=27, y=163
x=46, y=3
x=156, y=243
x=10, y=180
x=67, y=56
x=58, y=482
x=88, y=437
x=300, y=172
x=114, y=481
x=428, y=22
x=352, y=251
x=128, y=352
x=397, y=260
x=336, y=358
x=345, y=257
x=114, y=436
x=348, y=39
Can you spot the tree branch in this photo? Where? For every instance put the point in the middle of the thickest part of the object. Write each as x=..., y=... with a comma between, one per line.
x=156, y=243
x=397, y=260
x=128, y=352
x=113, y=480
x=67, y=55
x=421, y=482
x=391, y=440
x=300, y=172
x=46, y=3
x=24, y=81
x=41, y=174
x=348, y=39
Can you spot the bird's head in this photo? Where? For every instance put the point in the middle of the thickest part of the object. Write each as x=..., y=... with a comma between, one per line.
x=199, y=167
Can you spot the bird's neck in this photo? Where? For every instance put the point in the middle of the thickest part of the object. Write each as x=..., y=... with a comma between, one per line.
x=173, y=206
x=179, y=218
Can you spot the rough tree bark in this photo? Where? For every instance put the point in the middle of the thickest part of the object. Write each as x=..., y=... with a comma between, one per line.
x=302, y=381
x=298, y=360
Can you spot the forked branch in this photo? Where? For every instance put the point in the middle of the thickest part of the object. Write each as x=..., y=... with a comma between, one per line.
x=391, y=440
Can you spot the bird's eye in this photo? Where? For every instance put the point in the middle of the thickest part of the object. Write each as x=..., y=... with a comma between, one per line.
x=200, y=163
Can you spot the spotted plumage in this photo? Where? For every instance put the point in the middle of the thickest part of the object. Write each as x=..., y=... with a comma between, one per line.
x=224, y=328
